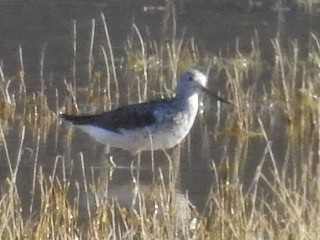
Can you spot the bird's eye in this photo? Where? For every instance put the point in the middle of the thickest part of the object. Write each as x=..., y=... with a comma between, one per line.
x=190, y=78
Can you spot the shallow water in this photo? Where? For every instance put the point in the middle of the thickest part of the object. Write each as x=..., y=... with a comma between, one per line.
x=49, y=26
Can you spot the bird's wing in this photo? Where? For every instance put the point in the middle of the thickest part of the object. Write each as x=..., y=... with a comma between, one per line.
x=127, y=117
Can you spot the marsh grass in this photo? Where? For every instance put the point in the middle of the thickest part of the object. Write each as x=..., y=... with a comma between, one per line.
x=282, y=200
x=309, y=6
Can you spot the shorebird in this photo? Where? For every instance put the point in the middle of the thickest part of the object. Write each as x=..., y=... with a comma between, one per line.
x=153, y=125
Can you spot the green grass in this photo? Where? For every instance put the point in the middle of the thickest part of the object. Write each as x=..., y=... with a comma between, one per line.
x=282, y=201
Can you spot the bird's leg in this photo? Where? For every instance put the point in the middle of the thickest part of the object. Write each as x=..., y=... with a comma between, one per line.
x=173, y=156
x=124, y=160
x=110, y=156
x=138, y=167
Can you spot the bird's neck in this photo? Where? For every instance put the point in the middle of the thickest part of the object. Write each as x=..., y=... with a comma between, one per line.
x=188, y=102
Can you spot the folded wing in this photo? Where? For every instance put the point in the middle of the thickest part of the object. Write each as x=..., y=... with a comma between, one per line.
x=127, y=117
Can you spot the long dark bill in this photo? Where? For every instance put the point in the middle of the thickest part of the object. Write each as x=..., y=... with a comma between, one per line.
x=214, y=95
